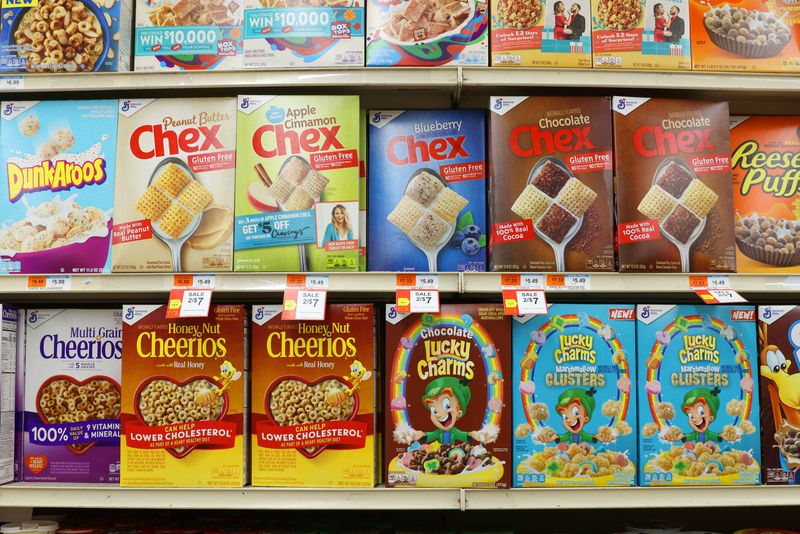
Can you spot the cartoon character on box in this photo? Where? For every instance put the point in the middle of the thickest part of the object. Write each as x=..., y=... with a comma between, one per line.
x=576, y=406
x=447, y=398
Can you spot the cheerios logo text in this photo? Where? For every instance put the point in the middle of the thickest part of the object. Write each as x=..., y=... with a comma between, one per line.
x=194, y=341
x=327, y=342
x=56, y=175
x=775, y=173
x=83, y=343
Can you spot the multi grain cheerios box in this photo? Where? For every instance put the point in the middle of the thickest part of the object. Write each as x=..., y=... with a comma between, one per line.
x=174, y=202
x=574, y=387
x=59, y=160
x=9, y=327
x=765, y=156
x=313, y=398
x=746, y=35
x=698, y=395
x=304, y=33
x=183, y=403
x=94, y=37
x=297, y=183
x=534, y=33
x=641, y=34
x=181, y=35
x=72, y=395
x=428, y=190
x=422, y=33
x=447, y=406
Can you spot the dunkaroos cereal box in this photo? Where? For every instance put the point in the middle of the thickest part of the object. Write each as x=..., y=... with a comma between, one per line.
x=765, y=157
x=65, y=35
x=673, y=185
x=188, y=35
x=183, y=404
x=746, y=35
x=72, y=395
x=574, y=388
x=641, y=34
x=447, y=398
x=59, y=161
x=550, y=182
x=778, y=352
x=313, y=398
x=10, y=326
x=698, y=395
x=427, y=188
x=427, y=33
x=297, y=183
x=535, y=33
x=175, y=200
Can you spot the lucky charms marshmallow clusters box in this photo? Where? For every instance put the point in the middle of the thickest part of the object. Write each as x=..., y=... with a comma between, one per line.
x=574, y=388
x=698, y=395
x=297, y=183
x=183, y=402
x=313, y=398
x=447, y=398
x=59, y=161
x=72, y=396
x=427, y=184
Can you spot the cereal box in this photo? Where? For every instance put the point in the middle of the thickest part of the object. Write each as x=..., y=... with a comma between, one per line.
x=59, y=159
x=9, y=326
x=641, y=34
x=536, y=33
x=698, y=395
x=673, y=185
x=421, y=33
x=574, y=387
x=550, y=176
x=19, y=396
x=362, y=191
x=428, y=190
x=174, y=203
x=304, y=33
x=183, y=35
x=313, y=398
x=447, y=397
x=746, y=35
x=72, y=395
x=65, y=35
x=778, y=353
x=297, y=184
x=765, y=158
x=183, y=403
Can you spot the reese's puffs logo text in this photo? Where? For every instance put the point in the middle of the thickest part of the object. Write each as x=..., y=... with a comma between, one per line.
x=775, y=173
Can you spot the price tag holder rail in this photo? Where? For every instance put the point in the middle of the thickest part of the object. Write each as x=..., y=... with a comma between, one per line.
x=417, y=293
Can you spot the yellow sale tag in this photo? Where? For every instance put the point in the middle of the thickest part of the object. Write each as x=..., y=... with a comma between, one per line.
x=403, y=301
x=511, y=303
x=290, y=305
x=174, y=304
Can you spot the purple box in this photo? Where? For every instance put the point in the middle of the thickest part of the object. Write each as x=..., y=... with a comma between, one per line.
x=8, y=370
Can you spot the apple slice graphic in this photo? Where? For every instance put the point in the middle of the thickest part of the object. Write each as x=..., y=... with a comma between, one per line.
x=260, y=198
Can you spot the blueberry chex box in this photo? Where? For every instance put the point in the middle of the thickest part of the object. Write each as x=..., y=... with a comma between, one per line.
x=427, y=190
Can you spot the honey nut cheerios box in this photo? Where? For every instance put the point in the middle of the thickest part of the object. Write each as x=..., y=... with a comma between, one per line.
x=641, y=34
x=313, y=398
x=174, y=202
x=447, y=407
x=184, y=400
x=59, y=162
x=698, y=395
x=746, y=35
x=765, y=160
x=574, y=388
x=72, y=395
x=535, y=33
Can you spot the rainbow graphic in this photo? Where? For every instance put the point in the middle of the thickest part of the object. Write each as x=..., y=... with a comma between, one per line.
x=559, y=324
x=683, y=325
x=402, y=358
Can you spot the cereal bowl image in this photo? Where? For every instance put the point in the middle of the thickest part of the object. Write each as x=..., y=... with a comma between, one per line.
x=620, y=15
x=694, y=463
x=400, y=30
x=450, y=466
x=162, y=401
x=746, y=33
x=568, y=463
x=63, y=399
x=519, y=14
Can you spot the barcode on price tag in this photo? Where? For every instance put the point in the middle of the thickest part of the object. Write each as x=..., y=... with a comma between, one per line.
x=185, y=302
x=49, y=283
x=524, y=302
x=304, y=304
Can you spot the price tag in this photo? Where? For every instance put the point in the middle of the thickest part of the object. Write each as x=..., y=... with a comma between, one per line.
x=49, y=283
x=709, y=282
x=524, y=281
x=569, y=282
x=524, y=302
x=304, y=304
x=418, y=281
x=720, y=296
x=10, y=83
x=417, y=293
x=185, y=302
x=201, y=281
x=302, y=281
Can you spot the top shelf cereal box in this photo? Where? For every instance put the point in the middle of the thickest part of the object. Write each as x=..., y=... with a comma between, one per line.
x=427, y=33
x=59, y=159
x=65, y=35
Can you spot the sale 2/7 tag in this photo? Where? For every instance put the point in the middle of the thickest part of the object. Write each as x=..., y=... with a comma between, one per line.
x=524, y=302
x=720, y=296
x=187, y=302
x=304, y=304
x=417, y=293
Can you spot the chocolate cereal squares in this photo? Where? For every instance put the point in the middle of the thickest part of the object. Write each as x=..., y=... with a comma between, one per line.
x=556, y=223
x=681, y=224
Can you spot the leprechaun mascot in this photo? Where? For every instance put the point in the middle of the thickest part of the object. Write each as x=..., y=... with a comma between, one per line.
x=447, y=399
x=701, y=406
x=576, y=406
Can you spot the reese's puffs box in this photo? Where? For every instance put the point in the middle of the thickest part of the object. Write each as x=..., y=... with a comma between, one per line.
x=313, y=398
x=183, y=399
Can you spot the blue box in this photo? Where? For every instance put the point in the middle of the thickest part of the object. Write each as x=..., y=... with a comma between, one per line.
x=698, y=395
x=427, y=190
x=574, y=388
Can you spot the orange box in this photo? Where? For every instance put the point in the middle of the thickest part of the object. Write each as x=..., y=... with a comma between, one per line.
x=766, y=169
x=183, y=399
x=768, y=40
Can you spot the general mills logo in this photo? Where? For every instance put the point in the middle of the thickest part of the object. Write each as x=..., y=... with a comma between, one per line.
x=392, y=313
x=8, y=109
x=129, y=313
x=766, y=313
x=245, y=103
x=259, y=315
x=498, y=104
x=33, y=317
x=376, y=118
x=645, y=312
x=126, y=105
x=621, y=103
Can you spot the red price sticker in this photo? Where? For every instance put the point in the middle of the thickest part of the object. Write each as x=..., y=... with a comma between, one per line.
x=304, y=305
x=186, y=302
